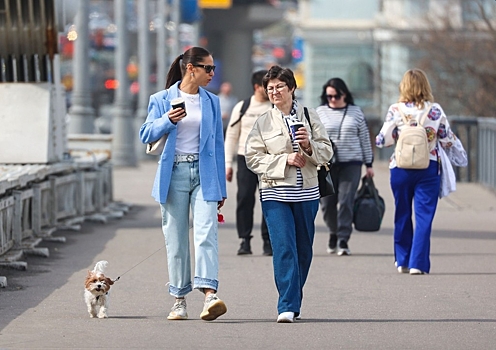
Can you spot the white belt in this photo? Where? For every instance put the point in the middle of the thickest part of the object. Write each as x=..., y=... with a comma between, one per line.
x=190, y=158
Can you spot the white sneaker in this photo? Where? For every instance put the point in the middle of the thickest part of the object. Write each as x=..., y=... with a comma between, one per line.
x=178, y=310
x=332, y=246
x=286, y=317
x=331, y=250
x=416, y=272
x=213, y=308
x=401, y=269
x=343, y=248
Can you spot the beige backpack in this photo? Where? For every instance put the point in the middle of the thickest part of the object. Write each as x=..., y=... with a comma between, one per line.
x=412, y=149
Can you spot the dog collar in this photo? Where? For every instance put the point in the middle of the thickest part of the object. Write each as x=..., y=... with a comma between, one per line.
x=98, y=296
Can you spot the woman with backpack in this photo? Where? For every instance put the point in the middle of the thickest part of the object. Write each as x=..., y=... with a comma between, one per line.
x=411, y=177
x=346, y=127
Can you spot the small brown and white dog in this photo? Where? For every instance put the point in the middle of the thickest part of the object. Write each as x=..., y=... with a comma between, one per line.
x=96, y=293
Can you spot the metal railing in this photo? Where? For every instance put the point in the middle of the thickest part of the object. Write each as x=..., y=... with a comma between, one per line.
x=486, y=152
x=37, y=200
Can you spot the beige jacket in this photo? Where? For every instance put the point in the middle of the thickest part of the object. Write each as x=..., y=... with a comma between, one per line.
x=236, y=135
x=269, y=144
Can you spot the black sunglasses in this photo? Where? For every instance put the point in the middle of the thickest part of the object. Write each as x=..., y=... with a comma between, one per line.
x=208, y=68
x=336, y=97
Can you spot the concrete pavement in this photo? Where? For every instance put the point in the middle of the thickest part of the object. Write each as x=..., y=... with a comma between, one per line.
x=355, y=302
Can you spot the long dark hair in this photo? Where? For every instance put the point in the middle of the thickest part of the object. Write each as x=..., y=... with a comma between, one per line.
x=283, y=74
x=340, y=86
x=193, y=55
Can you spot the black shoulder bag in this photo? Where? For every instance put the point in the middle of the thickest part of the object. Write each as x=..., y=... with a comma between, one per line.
x=244, y=108
x=326, y=187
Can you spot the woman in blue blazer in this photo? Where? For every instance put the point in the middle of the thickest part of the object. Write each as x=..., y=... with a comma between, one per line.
x=190, y=174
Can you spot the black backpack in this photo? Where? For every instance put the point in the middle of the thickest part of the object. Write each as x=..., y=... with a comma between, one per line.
x=244, y=108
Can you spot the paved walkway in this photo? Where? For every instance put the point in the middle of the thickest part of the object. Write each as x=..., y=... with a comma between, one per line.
x=355, y=302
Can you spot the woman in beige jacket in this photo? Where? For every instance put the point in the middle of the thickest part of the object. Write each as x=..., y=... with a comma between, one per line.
x=284, y=149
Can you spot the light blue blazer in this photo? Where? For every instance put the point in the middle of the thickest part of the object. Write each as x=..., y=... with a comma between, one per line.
x=211, y=154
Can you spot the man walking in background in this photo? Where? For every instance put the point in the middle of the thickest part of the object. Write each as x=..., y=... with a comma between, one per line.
x=243, y=116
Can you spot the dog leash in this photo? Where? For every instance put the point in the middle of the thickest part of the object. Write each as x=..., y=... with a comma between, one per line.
x=149, y=256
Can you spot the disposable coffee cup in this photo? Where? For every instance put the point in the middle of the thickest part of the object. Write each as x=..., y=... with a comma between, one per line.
x=178, y=103
x=294, y=128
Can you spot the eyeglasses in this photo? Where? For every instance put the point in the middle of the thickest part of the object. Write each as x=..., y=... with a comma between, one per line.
x=336, y=97
x=208, y=68
x=277, y=88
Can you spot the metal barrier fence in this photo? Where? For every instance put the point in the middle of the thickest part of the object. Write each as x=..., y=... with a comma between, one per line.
x=36, y=200
x=487, y=152
x=478, y=136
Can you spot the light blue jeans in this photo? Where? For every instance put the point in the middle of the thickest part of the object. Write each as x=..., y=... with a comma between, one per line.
x=185, y=193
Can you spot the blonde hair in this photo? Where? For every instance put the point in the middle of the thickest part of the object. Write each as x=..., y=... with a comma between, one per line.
x=415, y=87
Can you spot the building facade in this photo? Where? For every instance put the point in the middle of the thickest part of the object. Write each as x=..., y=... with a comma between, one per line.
x=368, y=43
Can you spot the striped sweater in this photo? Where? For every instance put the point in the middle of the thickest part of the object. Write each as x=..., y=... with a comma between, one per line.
x=354, y=144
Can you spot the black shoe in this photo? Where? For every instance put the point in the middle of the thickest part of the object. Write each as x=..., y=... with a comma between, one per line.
x=267, y=248
x=333, y=243
x=245, y=248
x=343, y=248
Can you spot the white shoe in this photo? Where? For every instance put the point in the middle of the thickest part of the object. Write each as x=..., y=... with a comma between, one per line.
x=213, y=308
x=343, y=248
x=286, y=317
x=298, y=317
x=178, y=311
x=401, y=269
x=416, y=272
x=331, y=250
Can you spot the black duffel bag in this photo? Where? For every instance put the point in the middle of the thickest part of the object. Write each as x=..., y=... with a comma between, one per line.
x=369, y=207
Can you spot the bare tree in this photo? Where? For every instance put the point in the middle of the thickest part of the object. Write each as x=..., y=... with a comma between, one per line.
x=460, y=58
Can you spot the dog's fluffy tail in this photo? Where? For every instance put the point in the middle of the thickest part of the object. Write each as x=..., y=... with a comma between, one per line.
x=100, y=267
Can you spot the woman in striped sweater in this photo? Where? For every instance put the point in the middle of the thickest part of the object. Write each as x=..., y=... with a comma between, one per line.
x=346, y=126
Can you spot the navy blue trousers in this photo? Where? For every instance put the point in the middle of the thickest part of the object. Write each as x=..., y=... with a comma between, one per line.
x=420, y=187
x=291, y=229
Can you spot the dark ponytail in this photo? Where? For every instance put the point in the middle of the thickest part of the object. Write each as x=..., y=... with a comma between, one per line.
x=193, y=55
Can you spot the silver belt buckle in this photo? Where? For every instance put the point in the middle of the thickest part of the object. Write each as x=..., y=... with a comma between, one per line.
x=190, y=158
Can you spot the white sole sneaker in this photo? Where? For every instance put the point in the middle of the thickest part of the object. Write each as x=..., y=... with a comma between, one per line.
x=401, y=269
x=286, y=317
x=342, y=252
x=213, y=310
x=416, y=272
x=178, y=311
x=331, y=250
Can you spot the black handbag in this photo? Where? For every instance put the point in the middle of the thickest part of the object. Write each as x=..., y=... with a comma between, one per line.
x=369, y=207
x=326, y=187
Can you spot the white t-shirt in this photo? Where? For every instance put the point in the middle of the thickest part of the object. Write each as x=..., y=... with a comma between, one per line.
x=188, y=129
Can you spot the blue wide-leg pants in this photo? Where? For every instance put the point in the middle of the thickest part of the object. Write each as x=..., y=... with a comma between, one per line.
x=292, y=230
x=420, y=186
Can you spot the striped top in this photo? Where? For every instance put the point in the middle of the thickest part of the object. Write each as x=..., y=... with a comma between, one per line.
x=290, y=193
x=354, y=144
